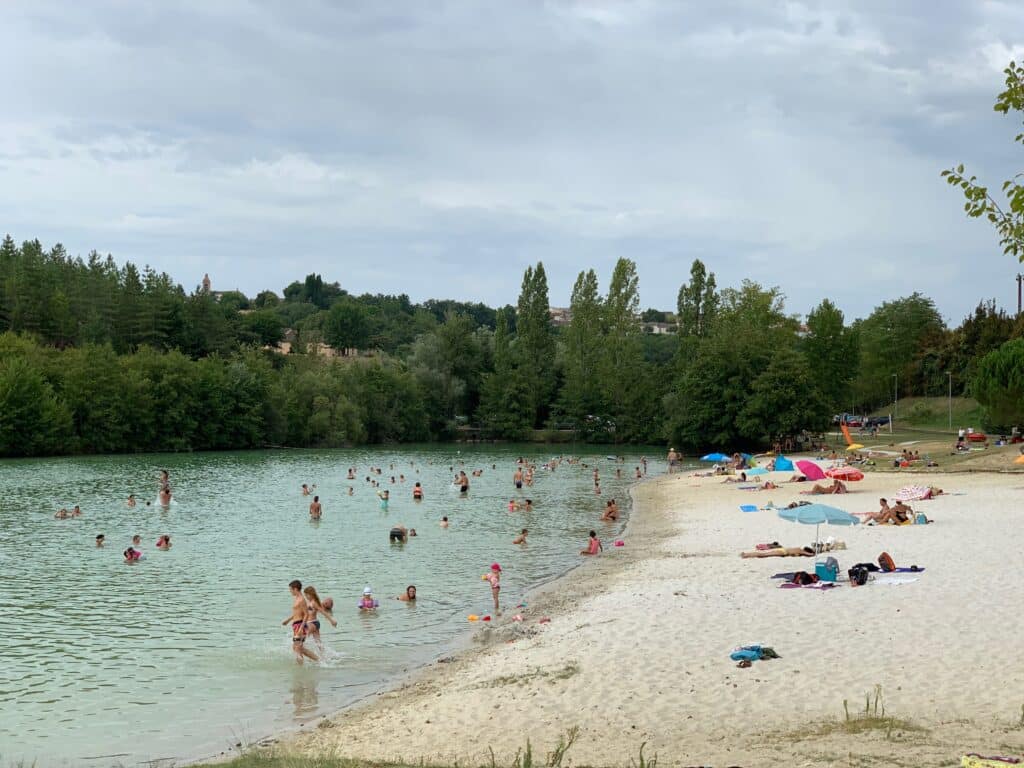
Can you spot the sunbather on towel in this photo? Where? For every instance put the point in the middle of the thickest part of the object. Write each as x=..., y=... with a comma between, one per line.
x=897, y=514
x=837, y=487
x=781, y=552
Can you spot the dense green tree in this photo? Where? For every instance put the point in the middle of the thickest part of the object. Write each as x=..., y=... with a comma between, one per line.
x=621, y=362
x=347, y=325
x=697, y=303
x=505, y=401
x=535, y=343
x=581, y=392
x=32, y=421
x=783, y=400
x=999, y=384
x=833, y=353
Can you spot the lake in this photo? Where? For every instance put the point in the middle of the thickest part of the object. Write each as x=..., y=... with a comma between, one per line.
x=183, y=654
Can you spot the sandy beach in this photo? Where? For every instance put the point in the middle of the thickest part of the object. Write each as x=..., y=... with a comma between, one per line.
x=638, y=643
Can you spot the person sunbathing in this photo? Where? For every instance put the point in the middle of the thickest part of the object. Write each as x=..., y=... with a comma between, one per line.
x=780, y=552
x=897, y=514
x=769, y=486
x=837, y=487
x=741, y=479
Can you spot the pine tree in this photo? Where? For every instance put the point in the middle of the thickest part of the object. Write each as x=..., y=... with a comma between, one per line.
x=581, y=392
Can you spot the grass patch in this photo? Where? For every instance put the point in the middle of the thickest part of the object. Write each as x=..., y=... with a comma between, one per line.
x=562, y=673
x=872, y=719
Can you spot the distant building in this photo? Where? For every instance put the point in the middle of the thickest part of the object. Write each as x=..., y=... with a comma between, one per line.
x=660, y=329
x=560, y=315
x=206, y=283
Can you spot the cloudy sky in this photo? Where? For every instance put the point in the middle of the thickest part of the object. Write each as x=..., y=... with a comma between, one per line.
x=437, y=148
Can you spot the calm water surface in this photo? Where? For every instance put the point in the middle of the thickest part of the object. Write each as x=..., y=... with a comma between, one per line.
x=184, y=655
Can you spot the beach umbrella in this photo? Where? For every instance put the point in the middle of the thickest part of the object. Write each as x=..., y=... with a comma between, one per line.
x=854, y=447
x=714, y=457
x=782, y=464
x=810, y=470
x=845, y=473
x=818, y=514
x=911, y=493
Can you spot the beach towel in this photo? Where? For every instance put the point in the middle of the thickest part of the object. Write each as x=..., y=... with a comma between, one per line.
x=748, y=507
x=818, y=585
x=974, y=760
x=891, y=580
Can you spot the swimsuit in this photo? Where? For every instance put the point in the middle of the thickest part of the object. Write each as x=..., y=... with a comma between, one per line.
x=396, y=534
x=298, y=631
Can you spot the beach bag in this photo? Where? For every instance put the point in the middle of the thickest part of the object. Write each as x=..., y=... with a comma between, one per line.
x=920, y=518
x=858, y=575
x=886, y=562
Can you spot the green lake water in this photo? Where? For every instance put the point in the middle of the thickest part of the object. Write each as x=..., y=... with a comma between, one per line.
x=183, y=655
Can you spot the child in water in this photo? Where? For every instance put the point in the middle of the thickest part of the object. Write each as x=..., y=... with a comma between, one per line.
x=521, y=538
x=494, y=578
x=368, y=603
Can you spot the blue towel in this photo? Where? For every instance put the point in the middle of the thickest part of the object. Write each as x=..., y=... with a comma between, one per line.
x=748, y=507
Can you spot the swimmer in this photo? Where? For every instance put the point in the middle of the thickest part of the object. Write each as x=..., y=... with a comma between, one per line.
x=131, y=556
x=494, y=578
x=100, y=541
x=130, y=502
x=164, y=542
x=444, y=522
x=384, y=496
x=315, y=509
x=513, y=505
x=417, y=492
x=529, y=506
x=593, y=545
x=368, y=603
x=517, y=479
x=409, y=596
x=165, y=478
x=298, y=621
x=313, y=608
x=463, y=483
x=611, y=511
x=397, y=534
x=165, y=496
x=61, y=514
x=76, y=512
x=350, y=491
x=412, y=532
x=136, y=541
x=521, y=538
x=305, y=490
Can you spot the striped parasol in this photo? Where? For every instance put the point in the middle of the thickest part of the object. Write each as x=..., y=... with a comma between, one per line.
x=845, y=473
x=911, y=493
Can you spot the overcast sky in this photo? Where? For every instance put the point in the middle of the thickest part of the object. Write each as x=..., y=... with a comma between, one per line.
x=436, y=148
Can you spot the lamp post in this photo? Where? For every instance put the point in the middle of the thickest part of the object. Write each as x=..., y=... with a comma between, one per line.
x=896, y=395
x=949, y=376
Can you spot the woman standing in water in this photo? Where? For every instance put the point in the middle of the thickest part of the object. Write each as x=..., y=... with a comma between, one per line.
x=314, y=606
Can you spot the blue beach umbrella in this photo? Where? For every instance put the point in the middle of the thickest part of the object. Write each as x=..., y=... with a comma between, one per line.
x=714, y=457
x=816, y=514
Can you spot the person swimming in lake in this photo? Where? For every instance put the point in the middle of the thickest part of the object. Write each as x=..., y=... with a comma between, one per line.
x=611, y=511
x=61, y=514
x=398, y=534
x=521, y=538
x=409, y=596
x=298, y=621
x=417, y=492
x=528, y=506
x=315, y=509
x=384, y=497
x=131, y=556
x=165, y=496
x=594, y=546
x=463, y=482
x=100, y=540
x=130, y=502
x=517, y=478
x=513, y=505
x=314, y=607
x=305, y=490
x=164, y=542
x=444, y=522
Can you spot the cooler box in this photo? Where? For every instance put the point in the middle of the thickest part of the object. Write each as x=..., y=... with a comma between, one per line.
x=828, y=570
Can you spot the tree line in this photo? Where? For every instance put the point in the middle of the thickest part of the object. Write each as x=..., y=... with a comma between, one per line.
x=98, y=358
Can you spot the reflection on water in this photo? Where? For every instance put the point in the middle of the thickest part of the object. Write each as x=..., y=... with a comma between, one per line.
x=109, y=654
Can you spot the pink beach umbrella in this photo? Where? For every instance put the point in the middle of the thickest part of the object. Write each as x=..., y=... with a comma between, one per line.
x=810, y=470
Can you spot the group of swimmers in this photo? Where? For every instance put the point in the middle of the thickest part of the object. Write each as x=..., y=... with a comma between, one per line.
x=133, y=553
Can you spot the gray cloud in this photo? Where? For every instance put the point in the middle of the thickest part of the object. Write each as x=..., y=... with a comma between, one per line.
x=438, y=148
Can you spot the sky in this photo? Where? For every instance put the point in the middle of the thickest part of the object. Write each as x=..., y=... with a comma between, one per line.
x=438, y=148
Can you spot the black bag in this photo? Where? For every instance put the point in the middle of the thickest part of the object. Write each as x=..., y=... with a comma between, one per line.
x=858, y=575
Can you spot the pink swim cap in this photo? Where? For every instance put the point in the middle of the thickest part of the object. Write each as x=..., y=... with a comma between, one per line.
x=495, y=567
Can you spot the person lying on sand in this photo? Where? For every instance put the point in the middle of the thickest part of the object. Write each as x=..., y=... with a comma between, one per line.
x=797, y=479
x=836, y=487
x=741, y=479
x=769, y=486
x=780, y=552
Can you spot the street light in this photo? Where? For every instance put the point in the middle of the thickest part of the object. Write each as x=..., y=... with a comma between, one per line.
x=896, y=395
x=949, y=376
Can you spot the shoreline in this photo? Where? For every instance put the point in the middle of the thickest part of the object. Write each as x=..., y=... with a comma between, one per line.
x=637, y=649
x=459, y=651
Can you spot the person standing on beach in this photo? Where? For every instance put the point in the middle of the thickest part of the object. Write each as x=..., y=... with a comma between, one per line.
x=298, y=622
x=673, y=460
x=315, y=509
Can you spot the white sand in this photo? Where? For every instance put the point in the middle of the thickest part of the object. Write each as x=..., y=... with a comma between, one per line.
x=639, y=642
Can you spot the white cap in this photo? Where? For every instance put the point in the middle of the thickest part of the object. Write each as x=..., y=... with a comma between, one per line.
x=367, y=591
